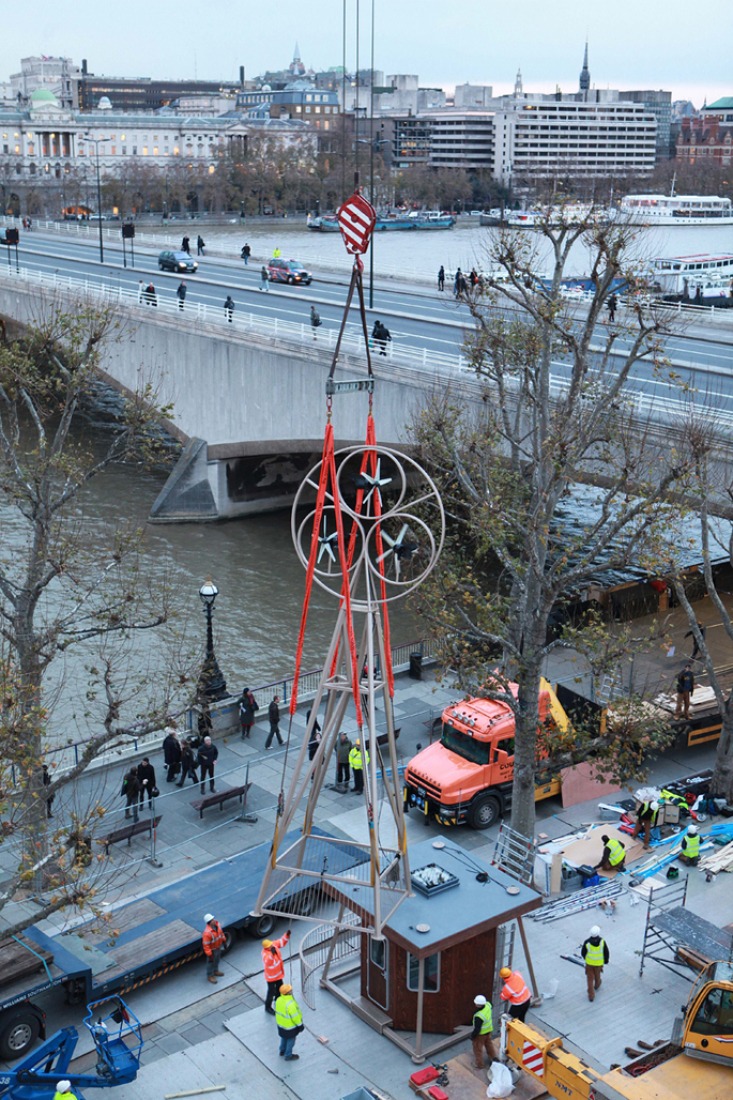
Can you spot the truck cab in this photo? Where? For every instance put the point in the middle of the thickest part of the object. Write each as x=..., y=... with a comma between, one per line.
x=466, y=776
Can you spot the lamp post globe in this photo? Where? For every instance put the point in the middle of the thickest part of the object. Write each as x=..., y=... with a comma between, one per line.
x=211, y=684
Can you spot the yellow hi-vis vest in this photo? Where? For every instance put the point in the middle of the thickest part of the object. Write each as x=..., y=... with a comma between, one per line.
x=356, y=760
x=595, y=956
x=486, y=1017
x=691, y=847
x=287, y=1013
x=616, y=851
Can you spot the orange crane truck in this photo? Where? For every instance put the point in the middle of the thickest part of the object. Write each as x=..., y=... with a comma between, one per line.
x=466, y=776
x=696, y=1063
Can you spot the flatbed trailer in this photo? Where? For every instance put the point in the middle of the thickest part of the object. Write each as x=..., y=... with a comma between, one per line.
x=143, y=939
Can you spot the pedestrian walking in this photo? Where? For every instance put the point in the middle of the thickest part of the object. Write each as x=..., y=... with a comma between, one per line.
x=229, y=308
x=172, y=753
x=264, y=281
x=150, y=296
x=358, y=762
x=207, y=757
x=200, y=245
x=212, y=941
x=315, y=322
x=596, y=956
x=47, y=783
x=245, y=254
x=515, y=991
x=343, y=748
x=186, y=245
x=646, y=819
x=188, y=764
x=274, y=967
x=273, y=713
x=695, y=643
x=613, y=857
x=380, y=336
x=685, y=686
x=457, y=283
x=612, y=305
x=146, y=780
x=483, y=1025
x=289, y=1020
x=247, y=709
x=315, y=735
x=181, y=294
x=130, y=791
x=441, y=278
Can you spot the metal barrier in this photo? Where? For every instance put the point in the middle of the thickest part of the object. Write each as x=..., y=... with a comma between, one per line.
x=320, y=946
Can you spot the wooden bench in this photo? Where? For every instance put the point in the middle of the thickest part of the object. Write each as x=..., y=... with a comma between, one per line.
x=127, y=832
x=218, y=798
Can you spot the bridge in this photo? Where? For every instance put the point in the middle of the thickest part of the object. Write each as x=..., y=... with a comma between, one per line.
x=249, y=395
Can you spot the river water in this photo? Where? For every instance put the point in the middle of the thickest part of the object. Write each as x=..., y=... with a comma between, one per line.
x=252, y=560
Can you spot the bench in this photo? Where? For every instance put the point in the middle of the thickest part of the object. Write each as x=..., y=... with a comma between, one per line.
x=218, y=798
x=127, y=832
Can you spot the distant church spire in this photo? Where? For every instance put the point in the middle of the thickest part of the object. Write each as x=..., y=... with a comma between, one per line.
x=585, y=73
x=296, y=66
x=518, y=84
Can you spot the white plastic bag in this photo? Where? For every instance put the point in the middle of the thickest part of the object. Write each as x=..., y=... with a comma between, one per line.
x=501, y=1081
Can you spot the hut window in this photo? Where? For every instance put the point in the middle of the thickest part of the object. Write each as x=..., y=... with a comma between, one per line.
x=378, y=953
x=432, y=973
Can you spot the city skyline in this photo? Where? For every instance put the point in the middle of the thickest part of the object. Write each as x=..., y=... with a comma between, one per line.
x=659, y=45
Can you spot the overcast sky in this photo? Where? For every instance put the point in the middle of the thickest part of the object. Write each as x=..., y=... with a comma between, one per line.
x=677, y=45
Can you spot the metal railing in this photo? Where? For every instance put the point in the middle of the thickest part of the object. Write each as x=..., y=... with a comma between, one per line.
x=315, y=948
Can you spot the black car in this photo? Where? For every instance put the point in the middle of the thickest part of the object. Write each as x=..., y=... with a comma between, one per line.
x=177, y=261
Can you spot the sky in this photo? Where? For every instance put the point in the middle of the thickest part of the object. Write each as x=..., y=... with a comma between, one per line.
x=669, y=44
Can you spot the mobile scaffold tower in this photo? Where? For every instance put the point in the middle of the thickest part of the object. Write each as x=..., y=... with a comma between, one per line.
x=368, y=526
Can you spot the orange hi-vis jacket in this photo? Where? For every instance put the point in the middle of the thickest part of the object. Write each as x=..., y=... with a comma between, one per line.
x=272, y=960
x=515, y=990
x=213, y=938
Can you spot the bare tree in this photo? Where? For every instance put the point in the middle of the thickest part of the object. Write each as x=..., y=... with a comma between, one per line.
x=58, y=589
x=555, y=424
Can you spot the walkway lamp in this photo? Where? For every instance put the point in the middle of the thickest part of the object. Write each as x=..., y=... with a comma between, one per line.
x=96, y=142
x=212, y=685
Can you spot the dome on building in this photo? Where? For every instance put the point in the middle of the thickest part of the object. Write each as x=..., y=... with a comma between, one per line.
x=104, y=104
x=43, y=95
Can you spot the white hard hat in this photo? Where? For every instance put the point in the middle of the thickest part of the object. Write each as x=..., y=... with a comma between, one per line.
x=692, y=830
x=479, y=1000
x=655, y=806
x=595, y=930
x=208, y=917
x=63, y=1086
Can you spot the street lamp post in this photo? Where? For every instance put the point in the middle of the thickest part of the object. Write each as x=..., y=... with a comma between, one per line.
x=96, y=142
x=212, y=685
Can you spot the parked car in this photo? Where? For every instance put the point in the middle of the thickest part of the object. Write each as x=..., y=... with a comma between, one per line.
x=288, y=271
x=176, y=261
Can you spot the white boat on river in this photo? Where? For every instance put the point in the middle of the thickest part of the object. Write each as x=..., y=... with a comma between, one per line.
x=664, y=210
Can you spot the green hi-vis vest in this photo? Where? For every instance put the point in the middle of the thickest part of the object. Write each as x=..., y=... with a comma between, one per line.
x=595, y=956
x=486, y=1017
x=616, y=850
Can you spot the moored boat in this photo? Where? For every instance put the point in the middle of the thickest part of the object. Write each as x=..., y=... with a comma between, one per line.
x=683, y=275
x=653, y=210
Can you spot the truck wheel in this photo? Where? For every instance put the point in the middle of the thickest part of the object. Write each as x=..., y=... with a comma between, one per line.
x=18, y=1035
x=228, y=941
x=484, y=811
x=261, y=927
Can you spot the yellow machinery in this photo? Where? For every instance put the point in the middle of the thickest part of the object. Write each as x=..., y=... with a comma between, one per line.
x=696, y=1064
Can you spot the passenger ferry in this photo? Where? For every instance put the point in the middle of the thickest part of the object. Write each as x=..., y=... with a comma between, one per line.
x=684, y=274
x=675, y=210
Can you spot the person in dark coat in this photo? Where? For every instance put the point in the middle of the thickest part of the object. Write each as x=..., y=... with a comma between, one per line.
x=172, y=754
x=229, y=308
x=150, y=296
x=441, y=278
x=208, y=755
x=186, y=245
x=188, y=764
x=200, y=245
x=246, y=253
x=247, y=709
x=315, y=735
x=181, y=294
x=273, y=713
x=130, y=791
x=343, y=771
x=47, y=783
x=146, y=779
